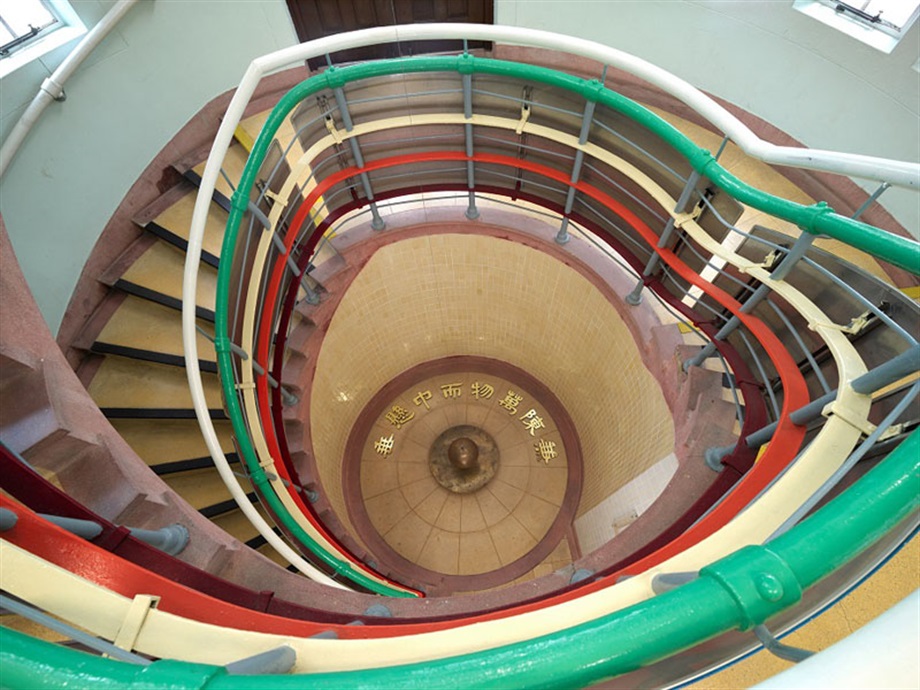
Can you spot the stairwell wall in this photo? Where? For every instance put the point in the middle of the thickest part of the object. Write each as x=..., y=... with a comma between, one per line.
x=142, y=84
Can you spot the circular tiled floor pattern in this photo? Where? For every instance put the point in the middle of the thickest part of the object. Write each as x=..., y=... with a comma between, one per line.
x=473, y=533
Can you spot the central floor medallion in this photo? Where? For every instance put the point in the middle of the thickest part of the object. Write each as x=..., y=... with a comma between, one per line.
x=463, y=459
x=464, y=475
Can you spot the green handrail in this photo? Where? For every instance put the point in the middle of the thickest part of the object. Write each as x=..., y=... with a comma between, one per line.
x=818, y=219
x=739, y=591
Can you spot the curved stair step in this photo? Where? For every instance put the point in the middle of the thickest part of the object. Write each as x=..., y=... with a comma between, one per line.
x=136, y=384
x=180, y=243
x=232, y=168
x=152, y=328
x=160, y=269
x=170, y=440
x=177, y=219
x=202, y=489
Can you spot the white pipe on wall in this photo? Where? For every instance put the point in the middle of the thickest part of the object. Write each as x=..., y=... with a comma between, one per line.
x=52, y=88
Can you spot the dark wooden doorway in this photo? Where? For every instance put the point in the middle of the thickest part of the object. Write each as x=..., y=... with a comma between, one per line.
x=318, y=18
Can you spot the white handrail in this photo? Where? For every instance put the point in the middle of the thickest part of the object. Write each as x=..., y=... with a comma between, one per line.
x=897, y=173
x=894, y=172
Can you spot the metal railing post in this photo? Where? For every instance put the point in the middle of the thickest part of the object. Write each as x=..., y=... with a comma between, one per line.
x=8, y=519
x=171, y=539
x=587, y=118
x=634, y=298
x=709, y=349
x=883, y=375
x=376, y=221
x=871, y=200
x=471, y=211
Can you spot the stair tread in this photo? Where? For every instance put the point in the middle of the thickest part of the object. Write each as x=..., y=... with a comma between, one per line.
x=174, y=360
x=129, y=383
x=253, y=124
x=199, y=488
x=146, y=325
x=269, y=552
x=233, y=165
x=161, y=269
x=178, y=219
x=325, y=254
x=238, y=525
x=170, y=440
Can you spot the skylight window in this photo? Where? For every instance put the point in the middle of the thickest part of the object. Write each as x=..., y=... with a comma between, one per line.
x=878, y=23
x=31, y=28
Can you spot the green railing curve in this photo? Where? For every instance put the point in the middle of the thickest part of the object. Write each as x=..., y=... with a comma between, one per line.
x=817, y=219
x=737, y=592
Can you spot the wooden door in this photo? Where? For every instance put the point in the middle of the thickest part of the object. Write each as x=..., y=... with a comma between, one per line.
x=318, y=18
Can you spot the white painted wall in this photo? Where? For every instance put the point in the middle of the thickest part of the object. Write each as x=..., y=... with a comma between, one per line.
x=169, y=57
x=621, y=508
x=825, y=89
x=161, y=64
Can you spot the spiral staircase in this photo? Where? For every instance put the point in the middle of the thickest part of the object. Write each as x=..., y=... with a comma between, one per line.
x=630, y=270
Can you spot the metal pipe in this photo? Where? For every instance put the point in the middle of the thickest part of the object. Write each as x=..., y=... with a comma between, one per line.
x=376, y=221
x=472, y=212
x=728, y=328
x=872, y=199
x=634, y=298
x=171, y=539
x=893, y=370
x=82, y=528
x=587, y=117
x=809, y=357
x=274, y=661
x=883, y=375
x=777, y=648
x=798, y=250
x=104, y=647
x=8, y=519
x=665, y=582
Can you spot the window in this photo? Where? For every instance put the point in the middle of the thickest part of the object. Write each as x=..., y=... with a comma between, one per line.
x=878, y=23
x=21, y=22
x=31, y=28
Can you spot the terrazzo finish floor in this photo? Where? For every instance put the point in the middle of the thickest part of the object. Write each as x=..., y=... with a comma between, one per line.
x=478, y=532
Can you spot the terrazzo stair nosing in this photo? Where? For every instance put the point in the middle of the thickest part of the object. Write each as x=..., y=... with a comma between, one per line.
x=201, y=463
x=102, y=348
x=256, y=542
x=127, y=286
x=217, y=197
x=154, y=413
x=224, y=507
x=323, y=272
x=171, y=196
x=131, y=254
x=192, y=158
x=95, y=324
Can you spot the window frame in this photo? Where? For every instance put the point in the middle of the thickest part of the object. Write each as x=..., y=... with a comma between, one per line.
x=68, y=27
x=877, y=35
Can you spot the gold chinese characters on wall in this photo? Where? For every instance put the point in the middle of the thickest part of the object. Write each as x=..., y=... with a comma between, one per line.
x=479, y=392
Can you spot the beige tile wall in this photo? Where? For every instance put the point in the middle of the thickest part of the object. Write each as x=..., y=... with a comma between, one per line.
x=424, y=298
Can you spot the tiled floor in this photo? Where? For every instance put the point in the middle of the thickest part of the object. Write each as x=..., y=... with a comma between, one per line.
x=478, y=532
